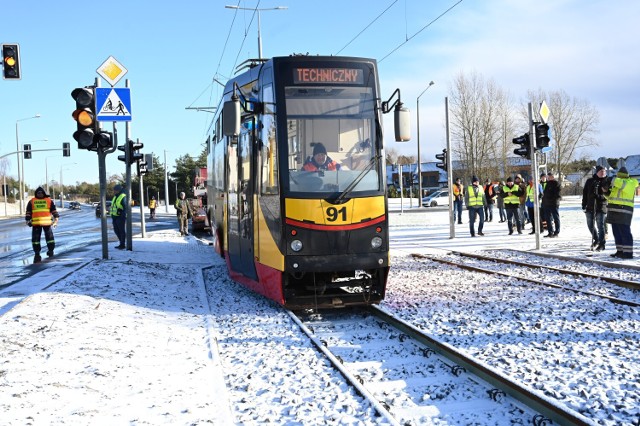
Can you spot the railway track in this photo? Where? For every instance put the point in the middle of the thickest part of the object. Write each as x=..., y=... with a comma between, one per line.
x=621, y=290
x=412, y=378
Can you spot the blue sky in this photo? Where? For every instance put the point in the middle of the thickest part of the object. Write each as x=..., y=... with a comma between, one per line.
x=174, y=50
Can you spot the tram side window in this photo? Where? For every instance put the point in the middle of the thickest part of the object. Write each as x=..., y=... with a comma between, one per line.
x=269, y=149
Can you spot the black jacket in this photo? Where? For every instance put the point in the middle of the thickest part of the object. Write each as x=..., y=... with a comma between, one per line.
x=551, y=195
x=593, y=195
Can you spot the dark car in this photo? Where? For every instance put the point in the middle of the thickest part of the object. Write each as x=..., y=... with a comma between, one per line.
x=107, y=206
x=74, y=205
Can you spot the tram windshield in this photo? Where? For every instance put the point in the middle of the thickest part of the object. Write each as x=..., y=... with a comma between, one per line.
x=331, y=139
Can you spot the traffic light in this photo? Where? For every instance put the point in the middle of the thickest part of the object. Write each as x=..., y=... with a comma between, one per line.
x=66, y=149
x=123, y=148
x=134, y=151
x=103, y=140
x=11, y=61
x=142, y=167
x=443, y=160
x=542, y=136
x=85, y=115
x=148, y=159
x=525, y=146
x=26, y=151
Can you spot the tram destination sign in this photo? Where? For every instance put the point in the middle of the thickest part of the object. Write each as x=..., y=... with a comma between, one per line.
x=328, y=75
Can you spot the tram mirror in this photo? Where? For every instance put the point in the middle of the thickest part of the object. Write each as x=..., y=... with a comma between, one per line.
x=231, y=118
x=402, y=123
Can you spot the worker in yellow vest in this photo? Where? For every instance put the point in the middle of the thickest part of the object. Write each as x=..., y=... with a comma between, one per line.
x=41, y=215
x=620, y=199
x=152, y=207
x=511, y=194
x=119, y=215
x=476, y=201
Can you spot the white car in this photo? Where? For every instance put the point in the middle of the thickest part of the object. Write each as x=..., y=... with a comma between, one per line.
x=438, y=198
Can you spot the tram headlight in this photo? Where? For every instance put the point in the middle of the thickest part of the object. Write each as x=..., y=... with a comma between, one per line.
x=296, y=245
x=376, y=242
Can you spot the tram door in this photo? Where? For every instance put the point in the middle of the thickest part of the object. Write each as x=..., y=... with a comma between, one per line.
x=240, y=213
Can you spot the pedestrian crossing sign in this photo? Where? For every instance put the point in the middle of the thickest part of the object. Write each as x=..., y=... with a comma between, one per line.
x=113, y=104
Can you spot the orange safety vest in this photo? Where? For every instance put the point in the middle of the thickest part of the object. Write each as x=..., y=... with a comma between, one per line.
x=41, y=211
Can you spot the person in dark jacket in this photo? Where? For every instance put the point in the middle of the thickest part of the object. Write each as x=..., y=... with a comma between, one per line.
x=594, y=206
x=184, y=212
x=551, y=204
x=490, y=196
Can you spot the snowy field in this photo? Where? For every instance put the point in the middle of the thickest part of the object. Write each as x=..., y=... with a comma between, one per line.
x=160, y=335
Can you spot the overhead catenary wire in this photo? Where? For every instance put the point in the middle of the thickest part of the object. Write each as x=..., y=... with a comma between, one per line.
x=365, y=28
x=420, y=30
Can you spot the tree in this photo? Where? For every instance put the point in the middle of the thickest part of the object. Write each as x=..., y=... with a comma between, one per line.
x=573, y=123
x=480, y=125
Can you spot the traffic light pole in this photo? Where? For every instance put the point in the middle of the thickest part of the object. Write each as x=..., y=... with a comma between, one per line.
x=102, y=176
x=142, y=223
x=537, y=223
x=452, y=226
x=128, y=154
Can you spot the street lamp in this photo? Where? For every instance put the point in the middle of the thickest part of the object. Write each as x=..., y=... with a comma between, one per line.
x=418, y=124
x=18, y=161
x=61, y=184
x=258, y=10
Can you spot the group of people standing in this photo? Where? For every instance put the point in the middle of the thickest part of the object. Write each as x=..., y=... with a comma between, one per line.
x=604, y=201
x=515, y=200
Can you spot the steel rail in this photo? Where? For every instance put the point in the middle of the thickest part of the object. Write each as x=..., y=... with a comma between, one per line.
x=532, y=399
x=622, y=283
x=531, y=280
x=353, y=380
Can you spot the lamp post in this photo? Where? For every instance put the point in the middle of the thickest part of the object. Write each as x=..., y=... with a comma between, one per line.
x=418, y=124
x=46, y=170
x=166, y=184
x=258, y=11
x=20, y=187
x=62, y=185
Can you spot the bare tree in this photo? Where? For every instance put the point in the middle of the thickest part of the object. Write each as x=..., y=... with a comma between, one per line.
x=480, y=123
x=573, y=123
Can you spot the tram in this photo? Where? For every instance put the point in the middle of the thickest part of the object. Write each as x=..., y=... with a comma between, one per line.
x=304, y=237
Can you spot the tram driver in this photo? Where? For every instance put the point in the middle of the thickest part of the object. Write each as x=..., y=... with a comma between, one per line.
x=319, y=160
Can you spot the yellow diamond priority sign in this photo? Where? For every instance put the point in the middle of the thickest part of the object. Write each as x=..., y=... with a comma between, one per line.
x=544, y=112
x=111, y=70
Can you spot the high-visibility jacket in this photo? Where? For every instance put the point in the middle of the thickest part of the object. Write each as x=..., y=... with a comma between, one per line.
x=620, y=200
x=152, y=204
x=117, y=205
x=41, y=211
x=312, y=166
x=457, y=191
x=475, y=196
x=513, y=195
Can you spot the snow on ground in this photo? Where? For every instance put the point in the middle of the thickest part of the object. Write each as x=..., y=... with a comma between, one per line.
x=134, y=339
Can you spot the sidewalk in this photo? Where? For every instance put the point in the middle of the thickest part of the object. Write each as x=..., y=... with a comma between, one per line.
x=114, y=341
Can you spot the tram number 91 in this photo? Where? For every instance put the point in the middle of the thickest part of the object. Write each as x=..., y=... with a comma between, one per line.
x=334, y=214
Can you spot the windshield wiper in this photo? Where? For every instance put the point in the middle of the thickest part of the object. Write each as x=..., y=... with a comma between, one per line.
x=357, y=180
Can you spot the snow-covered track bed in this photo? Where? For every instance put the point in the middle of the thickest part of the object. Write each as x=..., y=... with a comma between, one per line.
x=418, y=379
x=576, y=348
x=618, y=289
